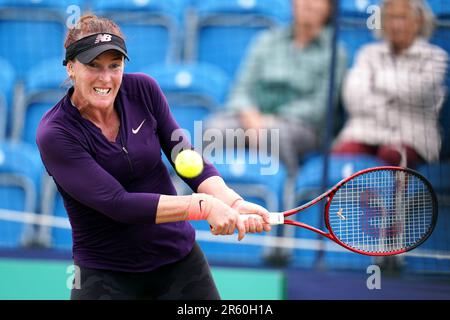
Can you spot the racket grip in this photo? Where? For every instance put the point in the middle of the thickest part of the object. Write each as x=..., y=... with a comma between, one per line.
x=274, y=217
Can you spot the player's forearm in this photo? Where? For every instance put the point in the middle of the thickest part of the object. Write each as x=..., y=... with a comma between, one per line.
x=217, y=187
x=175, y=208
x=172, y=208
x=200, y=206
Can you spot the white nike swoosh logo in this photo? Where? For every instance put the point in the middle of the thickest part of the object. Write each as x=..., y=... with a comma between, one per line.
x=135, y=131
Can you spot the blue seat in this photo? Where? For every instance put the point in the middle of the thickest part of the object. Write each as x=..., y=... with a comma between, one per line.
x=259, y=179
x=42, y=90
x=3, y=115
x=7, y=81
x=53, y=205
x=151, y=28
x=61, y=238
x=360, y=9
x=354, y=35
x=193, y=91
x=309, y=186
x=20, y=181
x=32, y=31
x=438, y=174
x=440, y=8
x=444, y=120
x=441, y=35
x=340, y=167
x=353, y=25
x=219, y=32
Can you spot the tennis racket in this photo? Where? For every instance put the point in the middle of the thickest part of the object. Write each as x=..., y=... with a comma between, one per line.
x=380, y=211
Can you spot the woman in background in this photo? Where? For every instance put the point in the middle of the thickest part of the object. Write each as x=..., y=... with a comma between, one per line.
x=283, y=83
x=394, y=92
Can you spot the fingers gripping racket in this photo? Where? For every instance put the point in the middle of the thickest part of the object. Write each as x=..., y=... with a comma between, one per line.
x=379, y=211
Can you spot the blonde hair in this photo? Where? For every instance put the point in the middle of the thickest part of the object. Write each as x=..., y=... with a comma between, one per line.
x=422, y=8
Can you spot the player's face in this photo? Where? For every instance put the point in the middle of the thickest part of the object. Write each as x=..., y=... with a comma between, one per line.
x=97, y=83
x=401, y=24
x=311, y=13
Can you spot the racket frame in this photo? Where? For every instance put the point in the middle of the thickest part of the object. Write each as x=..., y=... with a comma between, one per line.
x=330, y=194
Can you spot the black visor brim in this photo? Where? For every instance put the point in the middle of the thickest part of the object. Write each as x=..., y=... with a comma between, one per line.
x=92, y=53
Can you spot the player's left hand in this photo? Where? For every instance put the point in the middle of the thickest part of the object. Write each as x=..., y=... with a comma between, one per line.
x=253, y=225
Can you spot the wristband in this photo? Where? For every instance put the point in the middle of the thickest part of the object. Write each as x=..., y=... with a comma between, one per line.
x=199, y=206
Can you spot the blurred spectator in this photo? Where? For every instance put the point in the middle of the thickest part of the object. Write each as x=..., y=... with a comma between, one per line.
x=284, y=81
x=395, y=90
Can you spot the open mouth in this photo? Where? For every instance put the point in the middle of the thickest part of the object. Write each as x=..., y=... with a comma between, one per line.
x=102, y=91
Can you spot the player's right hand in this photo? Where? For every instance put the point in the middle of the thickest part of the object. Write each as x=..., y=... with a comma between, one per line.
x=223, y=219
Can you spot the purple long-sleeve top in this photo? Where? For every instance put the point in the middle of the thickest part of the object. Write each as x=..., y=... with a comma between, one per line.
x=111, y=190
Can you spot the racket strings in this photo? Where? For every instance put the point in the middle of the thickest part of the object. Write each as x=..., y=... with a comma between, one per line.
x=382, y=211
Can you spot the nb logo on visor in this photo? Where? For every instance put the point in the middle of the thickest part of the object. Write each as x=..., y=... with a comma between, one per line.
x=103, y=38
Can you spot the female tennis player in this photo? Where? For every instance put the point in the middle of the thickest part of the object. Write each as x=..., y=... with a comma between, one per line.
x=102, y=145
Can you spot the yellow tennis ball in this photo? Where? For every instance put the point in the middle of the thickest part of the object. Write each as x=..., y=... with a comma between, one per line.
x=189, y=163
